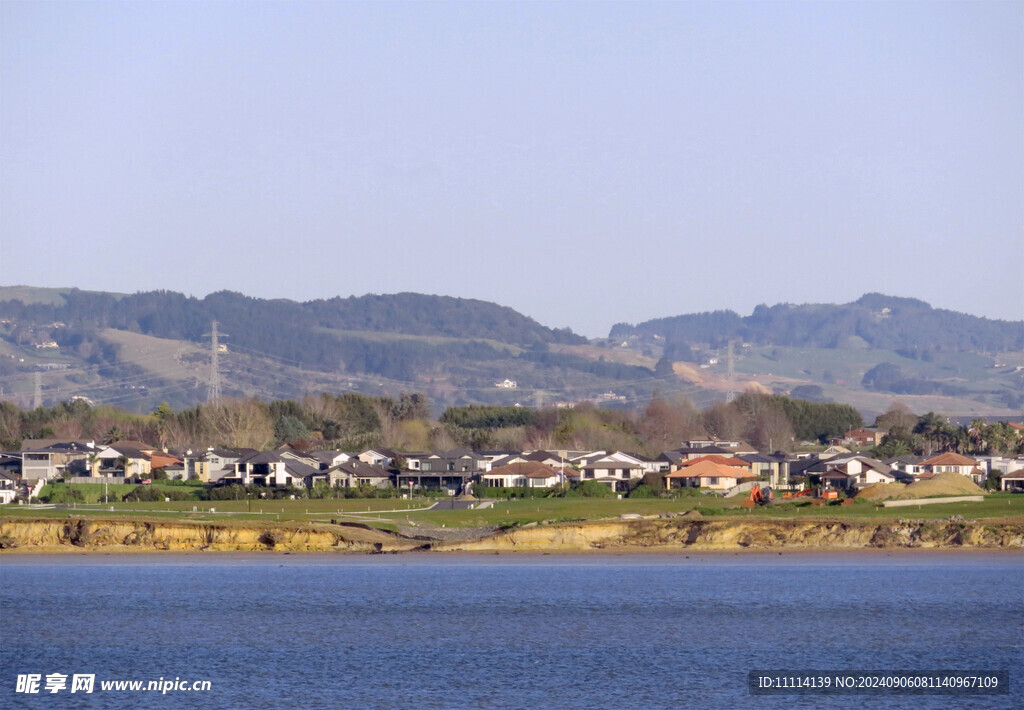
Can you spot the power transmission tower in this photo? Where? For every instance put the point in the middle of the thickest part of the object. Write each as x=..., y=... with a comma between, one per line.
x=37, y=391
x=731, y=394
x=213, y=392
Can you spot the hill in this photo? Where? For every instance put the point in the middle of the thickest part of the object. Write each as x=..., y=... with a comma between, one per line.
x=137, y=350
x=862, y=353
x=903, y=325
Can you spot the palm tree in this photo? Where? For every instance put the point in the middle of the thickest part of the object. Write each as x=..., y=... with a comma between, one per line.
x=126, y=464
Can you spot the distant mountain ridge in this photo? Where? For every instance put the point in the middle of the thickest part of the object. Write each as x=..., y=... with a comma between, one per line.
x=167, y=314
x=137, y=350
x=883, y=322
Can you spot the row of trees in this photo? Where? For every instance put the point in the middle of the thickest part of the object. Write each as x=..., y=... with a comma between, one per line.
x=355, y=422
x=909, y=433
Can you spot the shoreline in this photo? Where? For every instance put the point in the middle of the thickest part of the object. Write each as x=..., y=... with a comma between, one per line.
x=80, y=536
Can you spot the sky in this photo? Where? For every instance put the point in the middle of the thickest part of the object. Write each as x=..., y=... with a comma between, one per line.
x=584, y=163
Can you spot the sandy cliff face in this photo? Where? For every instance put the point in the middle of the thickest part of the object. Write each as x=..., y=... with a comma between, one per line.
x=762, y=534
x=656, y=534
x=181, y=536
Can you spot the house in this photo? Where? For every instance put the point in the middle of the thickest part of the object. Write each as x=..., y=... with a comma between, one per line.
x=523, y=474
x=736, y=461
x=329, y=459
x=175, y=472
x=908, y=464
x=863, y=437
x=122, y=461
x=950, y=462
x=852, y=471
x=214, y=464
x=352, y=473
x=649, y=465
x=379, y=457
x=615, y=469
x=670, y=461
x=10, y=463
x=737, y=447
x=709, y=474
x=270, y=468
x=693, y=452
x=1013, y=481
x=774, y=469
x=449, y=471
x=165, y=460
x=548, y=458
x=8, y=487
x=46, y=459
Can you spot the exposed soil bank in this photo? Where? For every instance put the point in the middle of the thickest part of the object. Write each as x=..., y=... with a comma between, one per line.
x=761, y=534
x=665, y=535
x=75, y=535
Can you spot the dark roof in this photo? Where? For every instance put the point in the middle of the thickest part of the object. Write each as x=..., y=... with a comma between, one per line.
x=324, y=456
x=360, y=469
x=760, y=458
x=530, y=469
x=298, y=469
x=541, y=456
x=705, y=450
x=61, y=447
x=140, y=445
x=223, y=453
x=46, y=444
x=272, y=456
x=460, y=453
x=128, y=451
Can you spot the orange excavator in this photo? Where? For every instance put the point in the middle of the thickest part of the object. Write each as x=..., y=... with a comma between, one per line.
x=760, y=496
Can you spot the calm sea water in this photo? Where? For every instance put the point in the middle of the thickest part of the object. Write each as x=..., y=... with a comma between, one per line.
x=647, y=631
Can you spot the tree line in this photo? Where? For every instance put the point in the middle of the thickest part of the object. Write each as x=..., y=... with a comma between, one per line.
x=353, y=422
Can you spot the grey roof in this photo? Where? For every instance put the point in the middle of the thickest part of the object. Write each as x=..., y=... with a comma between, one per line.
x=760, y=458
x=298, y=469
x=360, y=469
x=128, y=452
x=325, y=456
x=705, y=450
x=271, y=456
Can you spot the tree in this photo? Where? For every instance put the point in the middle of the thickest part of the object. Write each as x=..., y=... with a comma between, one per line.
x=289, y=428
x=723, y=421
x=665, y=423
x=897, y=420
x=240, y=423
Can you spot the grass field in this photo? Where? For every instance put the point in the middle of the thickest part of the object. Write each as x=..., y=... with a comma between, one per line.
x=389, y=513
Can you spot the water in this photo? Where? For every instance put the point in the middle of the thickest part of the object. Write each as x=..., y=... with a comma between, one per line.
x=646, y=631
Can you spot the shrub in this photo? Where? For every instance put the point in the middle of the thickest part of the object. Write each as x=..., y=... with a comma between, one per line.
x=686, y=492
x=64, y=494
x=511, y=493
x=149, y=494
x=643, y=491
x=589, y=489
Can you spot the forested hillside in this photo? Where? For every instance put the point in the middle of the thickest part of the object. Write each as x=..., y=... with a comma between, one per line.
x=138, y=350
x=904, y=325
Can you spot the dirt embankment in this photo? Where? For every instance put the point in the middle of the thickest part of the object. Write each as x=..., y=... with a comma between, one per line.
x=131, y=535
x=945, y=484
x=762, y=534
x=661, y=534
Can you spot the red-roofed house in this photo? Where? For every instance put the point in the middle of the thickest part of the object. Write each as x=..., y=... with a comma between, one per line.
x=708, y=474
x=949, y=463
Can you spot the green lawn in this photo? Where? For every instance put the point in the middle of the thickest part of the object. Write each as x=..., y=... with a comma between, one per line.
x=388, y=513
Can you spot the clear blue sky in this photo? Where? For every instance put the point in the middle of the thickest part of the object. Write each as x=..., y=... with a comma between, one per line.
x=583, y=163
